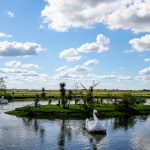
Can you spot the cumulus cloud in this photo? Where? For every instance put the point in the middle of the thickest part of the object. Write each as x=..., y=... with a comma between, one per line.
x=134, y=15
x=147, y=59
x=91, y=62
x=19, y=49
x=68, y=70
x=10, y=14
x=13, y=64
x=76, y=71
x=73, y=54
x=18, y=64
x=70, y=54
x=144, y=74
x=4, y=35
x=25, y=74
x=118, y=14
x=145, y=71
x=141, y=44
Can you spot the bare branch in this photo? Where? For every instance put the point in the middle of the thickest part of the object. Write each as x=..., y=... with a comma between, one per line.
x=95, y=84
x=84, y=88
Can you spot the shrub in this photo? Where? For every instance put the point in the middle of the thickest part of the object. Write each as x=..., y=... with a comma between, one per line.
x=126, y=103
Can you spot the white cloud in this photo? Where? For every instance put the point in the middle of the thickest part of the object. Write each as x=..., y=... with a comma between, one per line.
x=29, y=66
x=74, y=72
x=71, y=70
x=82, y=73
x=134, y=15
x=10, y=14
x=70, y=54
x=91, y=62
x=118, y=14
x=141, y=44
x=25, y=74
x=117, y=77
x=19, y=49
x=73, y=54
x=4, y=35
x=13, y=64
x=62, y=69
x=144, y=74
x=18, y=64
x=147, y=59
x=145, y=71
x=76, y=14
x=91, y=47
x=80, y=68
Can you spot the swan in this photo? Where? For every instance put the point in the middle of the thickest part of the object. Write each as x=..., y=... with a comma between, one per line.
x=3, y=100
x=94, y=125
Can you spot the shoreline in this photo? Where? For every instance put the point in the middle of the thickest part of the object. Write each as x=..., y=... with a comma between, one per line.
x=75, y=111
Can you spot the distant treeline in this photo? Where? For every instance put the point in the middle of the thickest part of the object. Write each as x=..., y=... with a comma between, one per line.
x=98, y=94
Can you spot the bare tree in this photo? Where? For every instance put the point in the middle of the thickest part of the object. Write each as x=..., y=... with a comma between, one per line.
x=90, y=91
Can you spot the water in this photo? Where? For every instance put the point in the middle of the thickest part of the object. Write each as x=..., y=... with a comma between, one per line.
x=43, y=134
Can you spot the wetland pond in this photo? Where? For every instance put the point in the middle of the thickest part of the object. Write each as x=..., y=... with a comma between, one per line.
x=16, y=133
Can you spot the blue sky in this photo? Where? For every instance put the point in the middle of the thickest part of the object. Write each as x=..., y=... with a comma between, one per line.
x=43, y=43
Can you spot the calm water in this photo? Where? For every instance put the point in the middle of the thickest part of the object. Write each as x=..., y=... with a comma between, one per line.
x=42, y=134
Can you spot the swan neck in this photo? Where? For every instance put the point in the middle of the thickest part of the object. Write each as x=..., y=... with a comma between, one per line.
x=95, y=117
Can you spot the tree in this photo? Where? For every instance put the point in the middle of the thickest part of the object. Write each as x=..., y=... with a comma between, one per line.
x=2, y=85
x=126, y=103
x=63, y=93
x=88, y=105
x=43, y=94
x=36, y=101
x=89, y=96
x=70, y=96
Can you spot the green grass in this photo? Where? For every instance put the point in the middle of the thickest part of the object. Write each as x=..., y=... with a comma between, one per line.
x=75, y=111
x=20, y=95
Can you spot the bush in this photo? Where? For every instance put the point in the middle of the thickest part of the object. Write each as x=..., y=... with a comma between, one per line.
x=140, y=100
x=87, y=109
x=126, y=103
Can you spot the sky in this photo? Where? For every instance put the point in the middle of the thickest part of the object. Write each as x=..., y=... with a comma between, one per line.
x=46, y=42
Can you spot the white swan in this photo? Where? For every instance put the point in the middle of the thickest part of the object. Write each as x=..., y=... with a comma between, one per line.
x=3, y=100
x=95, y=125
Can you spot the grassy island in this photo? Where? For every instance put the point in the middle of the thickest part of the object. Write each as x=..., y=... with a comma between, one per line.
x=76, y=112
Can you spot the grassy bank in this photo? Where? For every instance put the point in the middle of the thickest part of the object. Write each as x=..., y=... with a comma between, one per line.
x=75, y=111
x=19, y=95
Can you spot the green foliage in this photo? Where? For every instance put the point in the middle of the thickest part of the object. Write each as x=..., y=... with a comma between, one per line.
x=63, y=93
x=43, y=94
x=126, y=103
x=8, y=96
x=87, y=109
x=76, y=111
x=140, y=100
x=69, y=97
x=36, y=101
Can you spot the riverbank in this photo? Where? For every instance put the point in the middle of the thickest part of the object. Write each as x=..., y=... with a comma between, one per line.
x=75, y=111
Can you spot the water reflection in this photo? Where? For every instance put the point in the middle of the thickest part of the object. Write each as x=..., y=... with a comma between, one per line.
x=124, y=122
x=28, y=122
x=127, y=122
x=95, y=140
x=126, y=133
